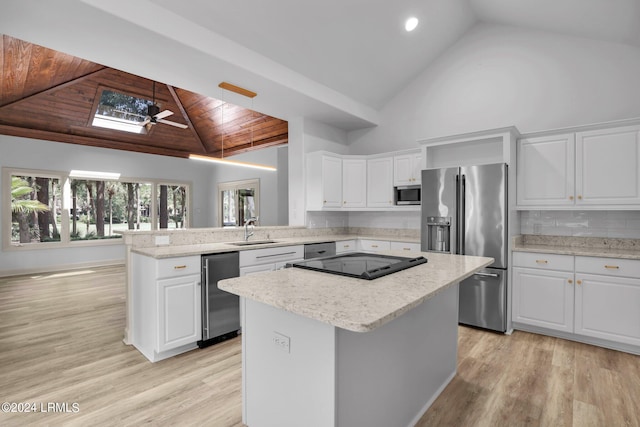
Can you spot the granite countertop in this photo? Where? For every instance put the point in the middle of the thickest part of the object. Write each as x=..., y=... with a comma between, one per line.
x=580, y=246
x=170, y=251
x=355, y=304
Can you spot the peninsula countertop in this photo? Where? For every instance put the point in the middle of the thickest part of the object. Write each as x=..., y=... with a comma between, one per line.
x=355, y=304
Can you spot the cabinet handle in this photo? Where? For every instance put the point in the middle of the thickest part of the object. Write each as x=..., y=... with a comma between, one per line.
x=179, y=267
x=611, y=267
x=406, y=249
x=542, y=261
x=579, y=197
x=325, y=201
x=346, y=246
x=579, y=282
x=374, y=246
x=272, y=255
x=570, y=281
x=570, y=197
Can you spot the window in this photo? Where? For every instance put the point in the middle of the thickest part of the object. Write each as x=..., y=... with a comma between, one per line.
x=120, y=111
x=238, y=201
x=172, y=206
x=47, y=208
x=35, y=208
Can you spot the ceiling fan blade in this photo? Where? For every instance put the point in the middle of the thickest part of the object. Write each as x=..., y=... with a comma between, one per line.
x=178, y=125
x=146, y=121
x=163, y=114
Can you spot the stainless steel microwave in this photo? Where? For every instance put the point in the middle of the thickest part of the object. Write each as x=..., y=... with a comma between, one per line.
x=407, y=195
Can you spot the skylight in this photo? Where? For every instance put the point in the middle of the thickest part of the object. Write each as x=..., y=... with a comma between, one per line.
x=119, y=111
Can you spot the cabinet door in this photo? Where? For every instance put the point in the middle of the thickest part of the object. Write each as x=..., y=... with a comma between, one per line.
x=608, y=307
x=545, y=172
x=332, y=182
x=380, y=182
x=246, y=271
x=405, y=246
x=354, y=183
x=179, y=312
x=416, y=168
x=374, y=245
x=543, y=298
x=607, y=163
x=407, y=169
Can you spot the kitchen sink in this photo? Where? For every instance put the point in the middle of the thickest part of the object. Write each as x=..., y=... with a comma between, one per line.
x=252, y=242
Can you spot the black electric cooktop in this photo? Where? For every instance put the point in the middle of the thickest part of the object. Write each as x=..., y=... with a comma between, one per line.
x=360, y=265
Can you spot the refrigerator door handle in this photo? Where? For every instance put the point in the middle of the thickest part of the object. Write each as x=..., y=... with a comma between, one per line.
x=462, y=215
x=457, y=208
x=205, y=330
x=486, y=274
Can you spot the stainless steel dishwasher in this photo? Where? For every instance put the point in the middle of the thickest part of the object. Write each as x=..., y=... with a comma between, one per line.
x=220, y=309
x=317, y=250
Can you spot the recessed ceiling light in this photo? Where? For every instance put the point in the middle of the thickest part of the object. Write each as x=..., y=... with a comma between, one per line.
x=411, y=23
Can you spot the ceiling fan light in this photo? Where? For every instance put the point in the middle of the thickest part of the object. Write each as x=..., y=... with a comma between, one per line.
x=411, y=24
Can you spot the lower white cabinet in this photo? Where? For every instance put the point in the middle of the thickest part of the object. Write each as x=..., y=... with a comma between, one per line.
x=344, y=246
x=596, y=300
x=405, y=246
x=179, y=312
x=167, y=305
x=367, y=245
x=607, y=305
x=269, y=259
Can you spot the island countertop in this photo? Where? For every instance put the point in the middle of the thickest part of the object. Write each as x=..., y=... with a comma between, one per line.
x=355, y=304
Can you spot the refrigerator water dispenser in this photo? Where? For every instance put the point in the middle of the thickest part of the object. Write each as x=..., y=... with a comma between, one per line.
x=438, y=233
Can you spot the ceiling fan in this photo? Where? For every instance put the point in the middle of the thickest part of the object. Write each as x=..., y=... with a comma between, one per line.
x=154, y=115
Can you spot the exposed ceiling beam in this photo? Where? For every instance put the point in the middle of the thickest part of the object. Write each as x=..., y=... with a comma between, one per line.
x=186, y=117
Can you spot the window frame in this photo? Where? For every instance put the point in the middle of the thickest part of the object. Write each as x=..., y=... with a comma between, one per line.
x=236, y=185
x=65, y=212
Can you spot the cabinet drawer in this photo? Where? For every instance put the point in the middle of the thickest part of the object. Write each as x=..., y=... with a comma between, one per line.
x=405, y=246
x=271, y=255
x=346, y=246
x=375, y=245
x=179, y=266
x=608, y=266
x=543, y=261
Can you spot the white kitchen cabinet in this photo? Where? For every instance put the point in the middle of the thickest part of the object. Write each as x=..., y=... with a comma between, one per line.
x=367, y=245
x=179, y=312
x=543, y=298
x=380, y=182
x=324, y=181
x=545, y=172
x=595, y=300
x=607, y=303
x=607, y=166
x=345, y=246
x=597, y=168
x=405, y=246
x=407, y=169
x=166, y=305
x=269, y=259
x=354, y=183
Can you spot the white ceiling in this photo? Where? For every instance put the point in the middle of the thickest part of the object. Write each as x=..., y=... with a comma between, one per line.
x=338, y=61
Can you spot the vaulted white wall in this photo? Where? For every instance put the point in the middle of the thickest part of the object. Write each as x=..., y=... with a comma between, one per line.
x=499, y=76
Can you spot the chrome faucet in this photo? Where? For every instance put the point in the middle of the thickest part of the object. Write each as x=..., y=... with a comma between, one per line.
x=251, y=221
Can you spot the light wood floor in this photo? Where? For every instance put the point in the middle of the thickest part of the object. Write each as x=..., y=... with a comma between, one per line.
x=61, y=341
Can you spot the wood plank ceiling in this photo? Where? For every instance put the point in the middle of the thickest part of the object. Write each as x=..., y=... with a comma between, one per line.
x=45, y=94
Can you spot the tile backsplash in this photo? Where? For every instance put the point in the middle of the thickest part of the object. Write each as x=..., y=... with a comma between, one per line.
x=394, y=220
x=618, y=224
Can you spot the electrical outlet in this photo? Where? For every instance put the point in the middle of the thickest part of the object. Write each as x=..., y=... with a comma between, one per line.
x=283, y=342
x=162, y=240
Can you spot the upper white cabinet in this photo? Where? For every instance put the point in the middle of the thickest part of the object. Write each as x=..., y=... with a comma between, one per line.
x=590, y=168
x=607, y=163
x=407, y=169
x=324, y=181
x=545, y=173
x=354, y=183
x=380, y=182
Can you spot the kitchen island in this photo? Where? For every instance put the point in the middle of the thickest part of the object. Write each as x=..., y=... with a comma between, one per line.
x=327, y=350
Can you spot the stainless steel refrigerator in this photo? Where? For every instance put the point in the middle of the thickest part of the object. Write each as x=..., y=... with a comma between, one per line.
x=464, y=211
